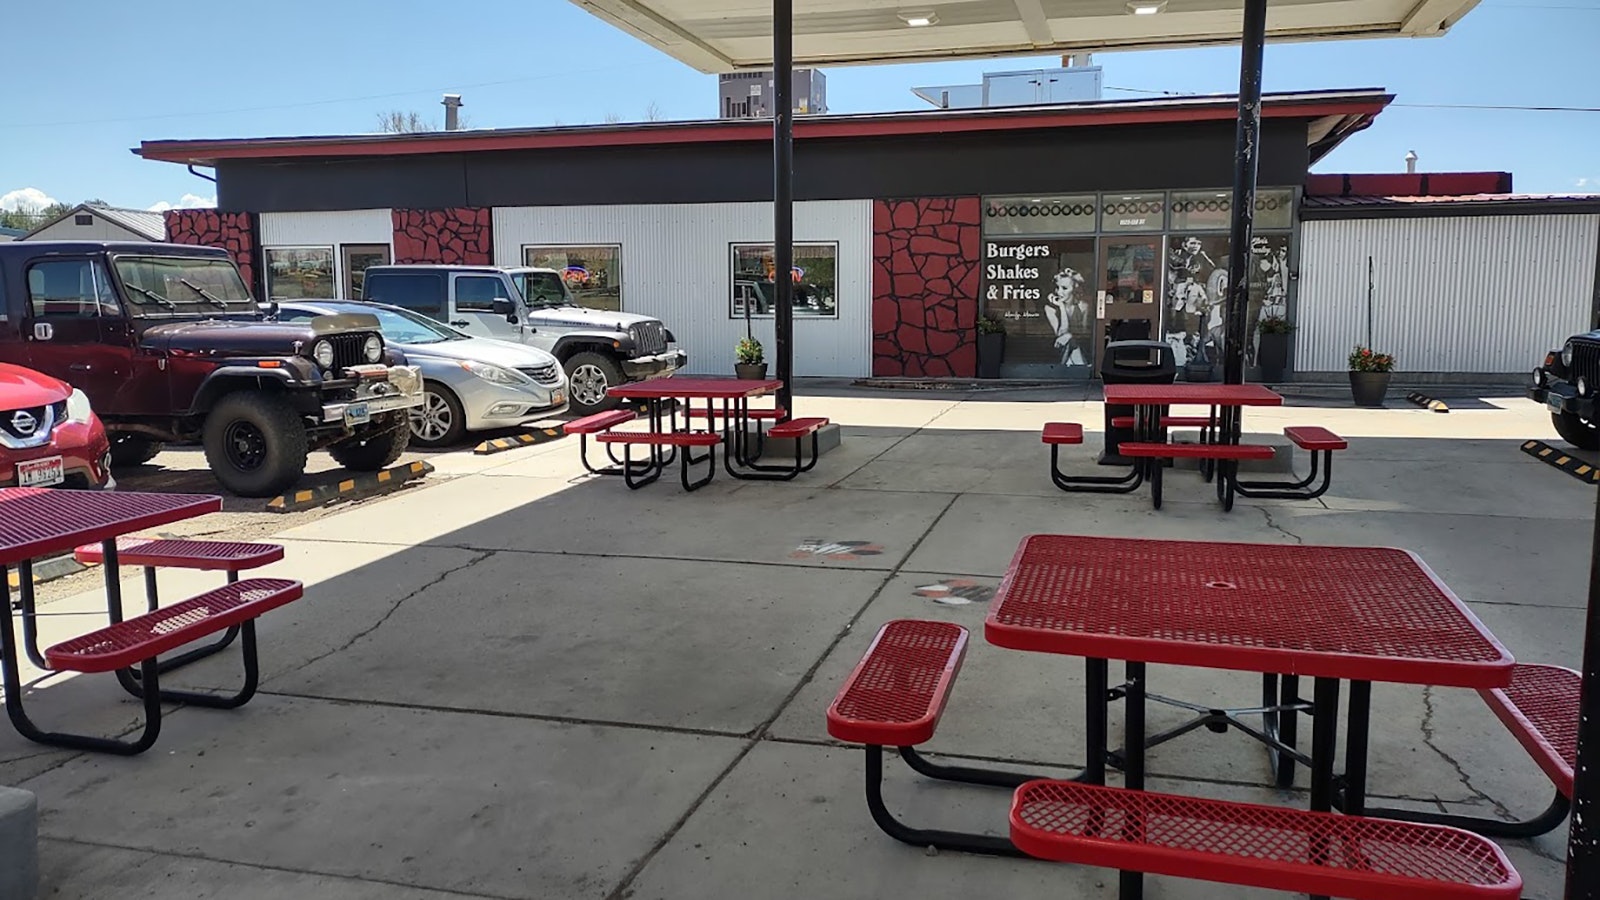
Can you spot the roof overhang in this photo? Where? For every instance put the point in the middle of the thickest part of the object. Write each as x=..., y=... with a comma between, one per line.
x=727, y=35
x=1331, y=116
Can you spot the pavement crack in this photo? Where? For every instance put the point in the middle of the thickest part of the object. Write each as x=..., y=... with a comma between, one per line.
x=477, y=557
x=1266, y=513
x=1461, y=772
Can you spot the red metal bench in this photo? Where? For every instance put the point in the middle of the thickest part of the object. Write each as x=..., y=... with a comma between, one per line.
x=793, y=430
x=1540, y=709
x=1321, y=444
x=1059, y=434
x=894, y=698
x=1063, y=433
x=637, y=475
x=1259, y=846
x=231, y=557
x=1227, y=457
x=140, y=640
x=598, y=424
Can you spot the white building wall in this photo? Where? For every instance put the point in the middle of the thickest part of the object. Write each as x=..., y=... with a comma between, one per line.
x=328, y=229
x=677, y=265
x=101, y=229
x=1486, y=294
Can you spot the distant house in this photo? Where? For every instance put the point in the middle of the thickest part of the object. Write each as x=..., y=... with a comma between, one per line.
x=101, y=223
x=10, y=234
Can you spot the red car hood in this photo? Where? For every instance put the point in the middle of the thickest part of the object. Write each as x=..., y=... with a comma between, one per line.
x=24, y=388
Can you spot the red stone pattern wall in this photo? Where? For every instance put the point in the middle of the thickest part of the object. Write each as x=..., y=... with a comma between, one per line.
x=925, y=274
x=234, y=232
x=462, y=235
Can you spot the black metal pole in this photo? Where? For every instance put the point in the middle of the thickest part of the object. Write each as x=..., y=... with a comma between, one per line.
x=783, y=195
x=1246, y=162
x=1583, y=840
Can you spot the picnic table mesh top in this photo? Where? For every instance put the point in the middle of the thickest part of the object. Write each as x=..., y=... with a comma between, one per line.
x=1350, y=612
x=698, y=388
x=1202, y=394
x=39, y=521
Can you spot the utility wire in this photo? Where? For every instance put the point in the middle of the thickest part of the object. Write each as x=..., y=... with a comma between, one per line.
x=1481, y=106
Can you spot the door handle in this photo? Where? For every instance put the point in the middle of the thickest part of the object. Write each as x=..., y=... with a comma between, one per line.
x=80, y=367
x=461, y=323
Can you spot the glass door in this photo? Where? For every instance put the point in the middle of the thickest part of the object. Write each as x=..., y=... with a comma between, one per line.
x=1128, y=299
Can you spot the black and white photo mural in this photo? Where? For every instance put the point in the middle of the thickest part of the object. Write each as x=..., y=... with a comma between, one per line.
x=1039, y=289
x=1197, y=291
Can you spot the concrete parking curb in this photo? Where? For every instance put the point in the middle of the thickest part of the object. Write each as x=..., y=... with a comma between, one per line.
x=1580, y=469
x=48, y=570
x=365, y=484
x=541, y=434
x=1426, y=402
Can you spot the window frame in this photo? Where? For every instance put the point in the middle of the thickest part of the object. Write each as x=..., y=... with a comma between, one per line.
x=346, y=271
x=99, y=274
x=333, y=269
x=617, y=255
x=460, y=306
x=734, y=277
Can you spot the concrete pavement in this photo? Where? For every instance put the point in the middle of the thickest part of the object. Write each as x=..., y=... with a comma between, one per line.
x=519, y=681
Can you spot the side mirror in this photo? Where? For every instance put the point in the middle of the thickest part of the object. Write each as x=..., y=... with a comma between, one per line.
x=511, y=319
x=503, y=307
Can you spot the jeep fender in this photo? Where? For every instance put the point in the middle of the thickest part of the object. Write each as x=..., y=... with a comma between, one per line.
x=610, y=343
x=228, y=379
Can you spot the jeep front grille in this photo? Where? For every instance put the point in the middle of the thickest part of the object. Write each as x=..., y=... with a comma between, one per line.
x=347, y=350
x=546, y=374
x=1585, y=362
x=649, y=337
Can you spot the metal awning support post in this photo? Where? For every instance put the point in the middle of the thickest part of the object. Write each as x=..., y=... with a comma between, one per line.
x=1583, y=840
x=1246, y=163
x=783, y=195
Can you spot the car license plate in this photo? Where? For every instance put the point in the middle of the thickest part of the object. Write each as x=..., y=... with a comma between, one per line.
x=557, y=398
x=357, y=414
x=1554, y=401
x=41, y=472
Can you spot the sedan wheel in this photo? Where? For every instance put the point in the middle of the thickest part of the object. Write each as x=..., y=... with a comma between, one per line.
x=439, y=421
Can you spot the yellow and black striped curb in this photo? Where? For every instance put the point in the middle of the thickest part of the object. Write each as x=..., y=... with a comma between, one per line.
x=1426, y=402
x=362, y=484
x=1566, y=462
x=539, y=435
x=47, y=570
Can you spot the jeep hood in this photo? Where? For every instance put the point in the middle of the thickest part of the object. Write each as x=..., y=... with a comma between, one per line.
x=583, y=317
x=247, y=337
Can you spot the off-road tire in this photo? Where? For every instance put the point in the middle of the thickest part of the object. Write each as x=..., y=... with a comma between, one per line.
x=131, y=450
x=371, y=452
x=582, y=367
x=1580, y=433
x=247, y=424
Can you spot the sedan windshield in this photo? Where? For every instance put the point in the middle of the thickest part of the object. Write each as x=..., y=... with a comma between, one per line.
x=172, y=283
x=403, y=327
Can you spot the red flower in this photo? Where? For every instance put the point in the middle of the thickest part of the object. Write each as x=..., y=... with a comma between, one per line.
x=1366, y=352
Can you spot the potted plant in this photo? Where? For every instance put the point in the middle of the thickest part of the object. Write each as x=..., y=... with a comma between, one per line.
x=991, y=346
x=1272, y=353
x=749, y=359
x=1369, y=375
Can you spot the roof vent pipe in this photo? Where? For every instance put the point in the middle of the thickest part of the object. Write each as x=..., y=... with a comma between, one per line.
x=452, y=112
x=1411, y=162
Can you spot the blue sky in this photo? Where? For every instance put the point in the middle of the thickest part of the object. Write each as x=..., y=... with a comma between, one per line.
x=103, y=76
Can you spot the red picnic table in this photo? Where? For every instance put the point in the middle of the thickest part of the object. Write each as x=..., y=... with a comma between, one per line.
x=37, y=522
x=736, y=417
x=1360, y=614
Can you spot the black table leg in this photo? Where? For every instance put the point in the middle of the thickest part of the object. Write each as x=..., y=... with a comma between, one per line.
x=1131, y=885
x=1097, y=702
x=1324, y=744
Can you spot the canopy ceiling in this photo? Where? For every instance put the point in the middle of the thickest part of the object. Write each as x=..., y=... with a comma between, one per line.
x=725, y=35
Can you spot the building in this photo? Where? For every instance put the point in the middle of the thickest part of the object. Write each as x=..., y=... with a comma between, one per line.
x=1069, y=223
x=749, y=95
x=101, y=223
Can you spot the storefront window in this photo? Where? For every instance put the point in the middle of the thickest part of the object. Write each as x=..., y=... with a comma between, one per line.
x=300, y=273
x=1213, y=210
x=815, y=278
x=1040, y=290
x=1133, y=212
x=1039, y=215
x=592, y=272
x=1197, y=289
x=357, y=257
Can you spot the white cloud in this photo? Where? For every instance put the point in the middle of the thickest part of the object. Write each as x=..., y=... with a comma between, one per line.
x=26, y=198
x=1588, y=184
x=187, y=201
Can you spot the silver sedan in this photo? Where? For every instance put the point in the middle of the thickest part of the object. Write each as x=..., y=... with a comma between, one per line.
x=470, y=383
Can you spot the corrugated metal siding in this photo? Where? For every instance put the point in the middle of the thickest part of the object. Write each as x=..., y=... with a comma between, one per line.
x=1484, y=294
x=328, y=229
x=676, y=265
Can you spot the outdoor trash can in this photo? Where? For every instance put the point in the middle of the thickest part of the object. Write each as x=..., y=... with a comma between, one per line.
x=1132, y=362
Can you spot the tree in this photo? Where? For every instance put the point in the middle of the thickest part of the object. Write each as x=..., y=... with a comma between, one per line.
x=29, y=217
x=396, y=121
x=613, y=119
x=653, y=113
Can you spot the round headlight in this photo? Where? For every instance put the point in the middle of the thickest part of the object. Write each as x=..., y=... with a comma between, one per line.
x=1583, y=386
x=373, y=349
x=1566, y=355
x=323, y=354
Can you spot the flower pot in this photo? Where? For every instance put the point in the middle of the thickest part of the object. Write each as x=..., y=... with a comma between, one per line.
x=751, y=371
x=991, y=350
x=1272, y=355
x=1368, y=388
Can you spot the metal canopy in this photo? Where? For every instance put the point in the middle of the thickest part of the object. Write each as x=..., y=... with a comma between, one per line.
x=725, y=35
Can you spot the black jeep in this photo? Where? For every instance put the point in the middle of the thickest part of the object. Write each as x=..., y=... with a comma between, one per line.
x=169, y=346
x=1567, y=383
